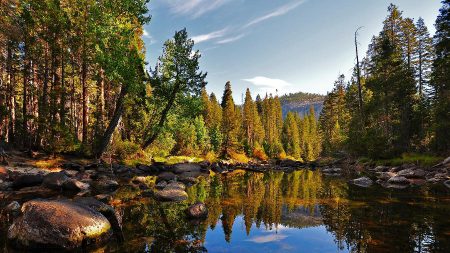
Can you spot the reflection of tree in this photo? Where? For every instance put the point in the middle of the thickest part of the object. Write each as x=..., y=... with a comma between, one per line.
x=376, y=221
x=253, y=197
x=270, y=210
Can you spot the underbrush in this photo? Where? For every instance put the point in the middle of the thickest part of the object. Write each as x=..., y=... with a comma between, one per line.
x=418, y=159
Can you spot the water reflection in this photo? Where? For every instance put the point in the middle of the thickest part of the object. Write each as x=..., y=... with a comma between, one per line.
x=299, y=211
x=285, y=212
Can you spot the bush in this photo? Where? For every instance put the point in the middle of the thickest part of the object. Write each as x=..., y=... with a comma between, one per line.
x=259, y=154
x=125, y=149
x=238, y=157
x=211, y=156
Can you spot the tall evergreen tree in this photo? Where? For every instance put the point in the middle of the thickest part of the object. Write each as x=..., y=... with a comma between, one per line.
x=441, y=80
x=230, y=123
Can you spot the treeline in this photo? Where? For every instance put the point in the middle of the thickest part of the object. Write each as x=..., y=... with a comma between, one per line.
x=257, y=128
x=398, y=99
x=67, y=68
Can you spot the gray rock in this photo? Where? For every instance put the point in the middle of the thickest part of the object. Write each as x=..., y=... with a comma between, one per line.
x=75, y=185
x=385, y=175
x=71, y=173
x=171, y=194
x=55, y=180
x=412, y=173
x=59, y=225
x=381, y=168
x=398, y=180
x=198, y=211
x=166, y=176
x=4, y=186
x=186, y=167
x=175, y=185
x=161, y=185
x=447, y=183
x=362, y=182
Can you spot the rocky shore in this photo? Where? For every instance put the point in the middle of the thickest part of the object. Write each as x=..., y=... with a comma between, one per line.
x=76, y=206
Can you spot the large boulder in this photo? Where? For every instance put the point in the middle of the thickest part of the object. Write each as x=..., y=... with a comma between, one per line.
x=186, y=167
x=362, y=182
x=58, y=224
x=55, y=180
x=197, y=211
x=176, y=185
x=398, y=180
x=171, y=194
x=27, y=180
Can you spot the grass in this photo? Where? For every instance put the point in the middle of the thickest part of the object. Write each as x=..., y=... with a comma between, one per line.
x=419, y=159
x=177, y=159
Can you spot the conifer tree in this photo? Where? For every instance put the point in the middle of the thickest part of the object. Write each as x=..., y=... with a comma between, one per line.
x=290, y=136
x=230, y=124
x=441, y=80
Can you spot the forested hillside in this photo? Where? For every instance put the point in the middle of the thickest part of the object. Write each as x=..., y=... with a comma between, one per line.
x=300, y=102
x=74, y=79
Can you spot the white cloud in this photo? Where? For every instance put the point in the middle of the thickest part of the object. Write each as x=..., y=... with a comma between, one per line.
x=278, y=12
x=149, y=38
x=230, y=39
x=194, y=8
x=209, y=36
x=266, y=82
x=146, y=34
x=268, y=85
x=267, y=238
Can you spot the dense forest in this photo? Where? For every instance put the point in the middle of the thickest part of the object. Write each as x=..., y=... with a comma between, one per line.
x=73, y=79
x=398, y=99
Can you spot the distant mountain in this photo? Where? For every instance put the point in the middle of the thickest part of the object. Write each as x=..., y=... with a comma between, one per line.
x=300, y=102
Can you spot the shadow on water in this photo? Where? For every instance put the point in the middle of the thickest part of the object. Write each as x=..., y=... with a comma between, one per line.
x=288, y=212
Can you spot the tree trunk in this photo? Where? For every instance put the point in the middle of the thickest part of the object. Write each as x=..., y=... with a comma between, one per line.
x=84, y=102
x=113, y=123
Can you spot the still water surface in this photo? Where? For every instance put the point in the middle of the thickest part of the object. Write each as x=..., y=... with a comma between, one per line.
x=301, y=211
x=290, y=212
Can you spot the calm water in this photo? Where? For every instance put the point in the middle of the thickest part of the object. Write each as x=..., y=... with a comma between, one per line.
x=295, y=212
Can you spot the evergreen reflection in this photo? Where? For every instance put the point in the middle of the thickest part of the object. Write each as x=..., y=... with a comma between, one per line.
x=360, y=220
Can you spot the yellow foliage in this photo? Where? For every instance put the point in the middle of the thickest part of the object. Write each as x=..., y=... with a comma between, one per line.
x=259, y=154
x=237, y=157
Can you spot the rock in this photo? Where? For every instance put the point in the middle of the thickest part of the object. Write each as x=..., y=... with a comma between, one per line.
x=166, y=176
x=441, y=176
x=106, y=185
x=362, y=182
x=398, y=180
x=58, y=224
x=412, y=173
x=161, y=185
x=381, y=168
x=385, y=175
x=13, y=208
x=198, y=211
x=189, y=180
x=171, y=194
x=72, y=166
x=92, y=166
x=55, y=180
x=75, y=185
x=71, y=173
x=28, y=193
x=332, y=171
x=186, y=167
x=27, y=180
x=4, y=186
x=446, y=161
x=447, y=183
x=176, y=185
x=289, y=163
x=114, y=217
x=396, y=169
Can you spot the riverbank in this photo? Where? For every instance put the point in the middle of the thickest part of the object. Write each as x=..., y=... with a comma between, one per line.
x=96, y=188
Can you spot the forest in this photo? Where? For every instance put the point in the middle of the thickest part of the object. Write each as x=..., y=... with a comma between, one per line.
x=74, y=80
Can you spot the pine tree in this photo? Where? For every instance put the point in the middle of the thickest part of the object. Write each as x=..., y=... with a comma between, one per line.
x=290, y=136
x=441, y=80
x=230, y=124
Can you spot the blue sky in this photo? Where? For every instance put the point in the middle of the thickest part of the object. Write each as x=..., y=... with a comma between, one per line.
x=288, y=45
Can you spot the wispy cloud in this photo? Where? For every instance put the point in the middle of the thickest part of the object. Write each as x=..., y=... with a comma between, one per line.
x=230, y=39
x=209, y=36
x=278, y=12
x=194, y=8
